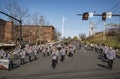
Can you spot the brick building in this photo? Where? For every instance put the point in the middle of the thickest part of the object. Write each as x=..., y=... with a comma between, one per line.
x=37, y=33
x=6, y=30
x=30, y=33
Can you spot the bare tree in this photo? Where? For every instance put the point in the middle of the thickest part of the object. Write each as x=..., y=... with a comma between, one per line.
x=15, y=10
x=38, y=21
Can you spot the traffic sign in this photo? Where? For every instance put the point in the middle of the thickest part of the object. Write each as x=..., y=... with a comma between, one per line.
x=90, y=14
x=108, y=14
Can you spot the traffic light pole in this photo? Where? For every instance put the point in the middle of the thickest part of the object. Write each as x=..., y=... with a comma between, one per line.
x=103, y=18
x=104, y=32
x=99, y=14
x=20, y=21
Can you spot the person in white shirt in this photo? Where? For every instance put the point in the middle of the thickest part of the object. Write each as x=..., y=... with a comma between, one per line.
x=44, y=51
x=30, y=51
x=23, y=55
x=62, y=52
x=35, y=53
x=54, y=58
x=57, y=54
x=105, y=51
x=111, y=56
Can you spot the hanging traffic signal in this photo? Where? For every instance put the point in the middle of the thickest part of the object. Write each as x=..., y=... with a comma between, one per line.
x=104, y=16
x=85, y=16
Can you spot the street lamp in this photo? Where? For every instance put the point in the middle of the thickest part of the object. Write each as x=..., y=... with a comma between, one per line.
x=63, y=20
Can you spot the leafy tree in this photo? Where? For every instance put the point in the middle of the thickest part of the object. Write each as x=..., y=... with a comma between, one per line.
x=75, y=38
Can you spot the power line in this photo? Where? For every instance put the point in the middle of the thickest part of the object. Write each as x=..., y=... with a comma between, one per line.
x=115, y=6
x=117, y=9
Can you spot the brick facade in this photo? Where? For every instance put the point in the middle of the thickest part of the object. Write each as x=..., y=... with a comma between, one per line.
x=10, y=32
x=38, y=33
x=6, y=28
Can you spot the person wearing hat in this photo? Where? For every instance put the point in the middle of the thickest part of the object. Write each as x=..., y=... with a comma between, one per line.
x=22, y=58
x=62, y=52
x=54, y=58
x=111, y=56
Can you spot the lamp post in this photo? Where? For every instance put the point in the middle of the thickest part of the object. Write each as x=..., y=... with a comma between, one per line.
x=104, y=32
x=63, y=20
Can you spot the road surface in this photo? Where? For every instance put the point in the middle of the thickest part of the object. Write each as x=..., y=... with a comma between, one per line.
x=84, y=65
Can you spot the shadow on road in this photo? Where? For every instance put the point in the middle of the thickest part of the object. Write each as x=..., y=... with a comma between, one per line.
x=103, y=66
x=101, y=57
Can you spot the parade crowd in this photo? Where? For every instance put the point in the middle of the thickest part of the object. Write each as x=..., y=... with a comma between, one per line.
x=57, y=52
x=108, y=53
x=30, y=52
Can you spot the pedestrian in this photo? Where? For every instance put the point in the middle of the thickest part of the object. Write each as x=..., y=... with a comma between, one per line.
x=80, y=46
x=22, y=58
x=30, y=54
x=57, y=54
x=71, y=52
x=48, y=51
x=62, y=52
x=111, y=56
x=105, y=51
x=54, y=58
x=91, y=46
x=66, y=49
x=10, y=58
x=35, y=53
x=44, y=52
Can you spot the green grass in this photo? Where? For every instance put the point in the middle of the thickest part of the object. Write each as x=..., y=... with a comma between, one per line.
x=111, y=41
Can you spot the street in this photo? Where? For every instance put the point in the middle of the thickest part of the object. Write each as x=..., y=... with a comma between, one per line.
x=83, y=65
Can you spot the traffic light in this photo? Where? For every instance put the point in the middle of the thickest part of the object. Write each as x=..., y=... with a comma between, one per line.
x=104, y=16
x=85, y=16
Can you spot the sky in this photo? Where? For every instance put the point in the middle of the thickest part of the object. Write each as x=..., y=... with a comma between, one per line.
x=53, y=10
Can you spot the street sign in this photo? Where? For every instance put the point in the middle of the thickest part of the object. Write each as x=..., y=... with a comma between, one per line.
x=90, y=14
x=108, y=14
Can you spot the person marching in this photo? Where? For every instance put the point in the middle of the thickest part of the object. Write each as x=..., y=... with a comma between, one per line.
x=22, y=54
x=35, y=53
x=63, y=52
x=105, y=51
x=71, y=52
x=48, y=51
x=11, y=59
x=54, y=58
x=111, y=56
x=57, y=54
x=44, y=51
x=30, y=53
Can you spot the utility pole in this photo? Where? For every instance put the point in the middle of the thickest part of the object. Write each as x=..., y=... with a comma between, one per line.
x=20, y=21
